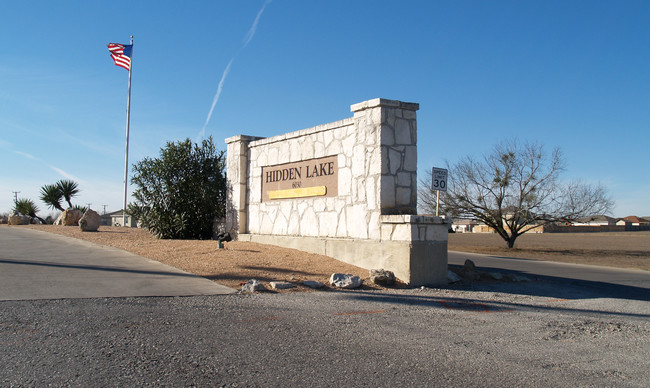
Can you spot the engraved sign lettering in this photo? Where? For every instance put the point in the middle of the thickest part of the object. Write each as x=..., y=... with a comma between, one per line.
x=307, y=178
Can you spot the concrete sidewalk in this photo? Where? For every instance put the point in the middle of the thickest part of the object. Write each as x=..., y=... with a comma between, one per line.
x=39, y=265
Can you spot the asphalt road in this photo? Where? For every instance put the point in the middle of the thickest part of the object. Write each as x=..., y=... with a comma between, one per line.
x=551, y=331
x=610, y=281
x=39, y=265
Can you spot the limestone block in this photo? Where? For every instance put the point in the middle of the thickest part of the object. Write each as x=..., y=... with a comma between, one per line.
x=356, y=221
x=403, y=196
x=374, y=231
x=341, y=227
x=387, y=192
x=411, y=158
x=404, y=232
x=386, y=231
x=403, y=132
x=327, y=224
x=281, y=285
x=334, y=148
x=309, y=223
x=280, y=224
x=266, y=224
x=295, y=151
x=409, y=114
x=394, y=161
x=437, y=232
x=345, y=181
x=358, y=160
x=345, y=280
x=387, y=135
x=252, y=286
x=313, y=284
x=293, y=228
x=404, y=179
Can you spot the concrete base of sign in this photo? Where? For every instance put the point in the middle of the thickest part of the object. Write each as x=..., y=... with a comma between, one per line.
x=417, y=263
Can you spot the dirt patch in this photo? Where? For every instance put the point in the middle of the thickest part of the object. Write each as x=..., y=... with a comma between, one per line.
x=612, y=249
x=237, y=263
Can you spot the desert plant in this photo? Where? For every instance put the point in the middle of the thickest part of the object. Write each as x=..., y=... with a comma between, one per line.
x=51, y=195
x=27, y=207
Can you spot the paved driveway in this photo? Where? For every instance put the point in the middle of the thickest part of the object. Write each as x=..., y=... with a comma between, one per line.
x=38, y=265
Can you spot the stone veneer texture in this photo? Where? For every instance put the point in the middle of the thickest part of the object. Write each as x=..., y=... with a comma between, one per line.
x=377, y=163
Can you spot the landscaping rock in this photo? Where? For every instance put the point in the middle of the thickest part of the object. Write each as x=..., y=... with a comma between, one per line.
x=252, y=286
x=469, y=266
x=382, y=277
x=90, y=221
x=495, y=275
x=19, y=219
x=281, y=285
x=452, y=277
x=313, y=284
x=69, y=217
x=345, y=280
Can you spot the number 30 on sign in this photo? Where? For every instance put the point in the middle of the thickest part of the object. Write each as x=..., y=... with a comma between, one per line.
x=439, y=179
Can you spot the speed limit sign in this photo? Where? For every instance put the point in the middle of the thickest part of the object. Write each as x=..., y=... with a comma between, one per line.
x=439, y=179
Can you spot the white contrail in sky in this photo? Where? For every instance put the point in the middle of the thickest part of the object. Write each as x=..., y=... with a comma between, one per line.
x=249, y=36
x=56, y=169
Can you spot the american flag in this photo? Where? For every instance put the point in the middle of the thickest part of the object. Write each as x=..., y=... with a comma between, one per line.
x=121, y=54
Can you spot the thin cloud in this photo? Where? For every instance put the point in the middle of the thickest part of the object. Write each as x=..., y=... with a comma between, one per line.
x=249, y=36
x=28, y=156
x=54, y=168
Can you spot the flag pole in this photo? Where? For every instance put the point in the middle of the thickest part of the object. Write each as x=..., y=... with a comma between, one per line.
x=128, y=121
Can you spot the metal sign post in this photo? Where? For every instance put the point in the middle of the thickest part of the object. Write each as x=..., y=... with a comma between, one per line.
x=438, y=183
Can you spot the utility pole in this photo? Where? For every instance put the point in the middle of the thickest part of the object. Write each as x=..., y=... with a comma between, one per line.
x=104, y=209
x=16, y=196
x=89, y=205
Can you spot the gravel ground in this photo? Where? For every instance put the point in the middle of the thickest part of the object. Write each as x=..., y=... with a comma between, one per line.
x=535, y=334
x=497, y=336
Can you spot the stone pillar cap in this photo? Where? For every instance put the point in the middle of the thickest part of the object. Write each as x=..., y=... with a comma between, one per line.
x=237, y=138
x=384, y=102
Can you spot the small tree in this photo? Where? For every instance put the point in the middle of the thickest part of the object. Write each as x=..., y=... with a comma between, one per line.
x=514, y=189
x=179, y=194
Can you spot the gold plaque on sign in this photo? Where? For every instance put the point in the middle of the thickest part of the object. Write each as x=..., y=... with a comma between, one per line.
x=303, y=179
x=302, y=192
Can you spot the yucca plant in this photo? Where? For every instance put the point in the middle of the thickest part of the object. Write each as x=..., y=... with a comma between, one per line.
x=52, y=195
x=68, y=189
x=27, y=207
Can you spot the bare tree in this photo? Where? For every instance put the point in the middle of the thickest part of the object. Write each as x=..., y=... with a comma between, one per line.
x=514, y=189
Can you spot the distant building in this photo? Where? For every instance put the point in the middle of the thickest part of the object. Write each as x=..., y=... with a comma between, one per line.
x=596, y=220
x=117, y=218
x=463, y=225
x=633, y=221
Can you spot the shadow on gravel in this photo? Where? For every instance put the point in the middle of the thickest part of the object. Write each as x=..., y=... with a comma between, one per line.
x=477, y=305
x=95, y=268
x=553, y=286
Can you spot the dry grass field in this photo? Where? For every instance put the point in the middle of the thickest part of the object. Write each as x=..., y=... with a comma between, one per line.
x=614, y=249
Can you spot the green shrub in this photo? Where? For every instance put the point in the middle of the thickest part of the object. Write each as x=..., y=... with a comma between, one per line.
x=179, y=194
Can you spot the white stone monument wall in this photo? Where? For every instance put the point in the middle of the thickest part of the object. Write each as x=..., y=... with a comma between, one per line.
x=376, y=185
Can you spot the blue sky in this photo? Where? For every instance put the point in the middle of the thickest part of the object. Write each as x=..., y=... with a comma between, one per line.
x=569, y=74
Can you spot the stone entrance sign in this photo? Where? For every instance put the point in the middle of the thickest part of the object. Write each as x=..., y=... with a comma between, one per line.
x=346, y=189
x=309, y=178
